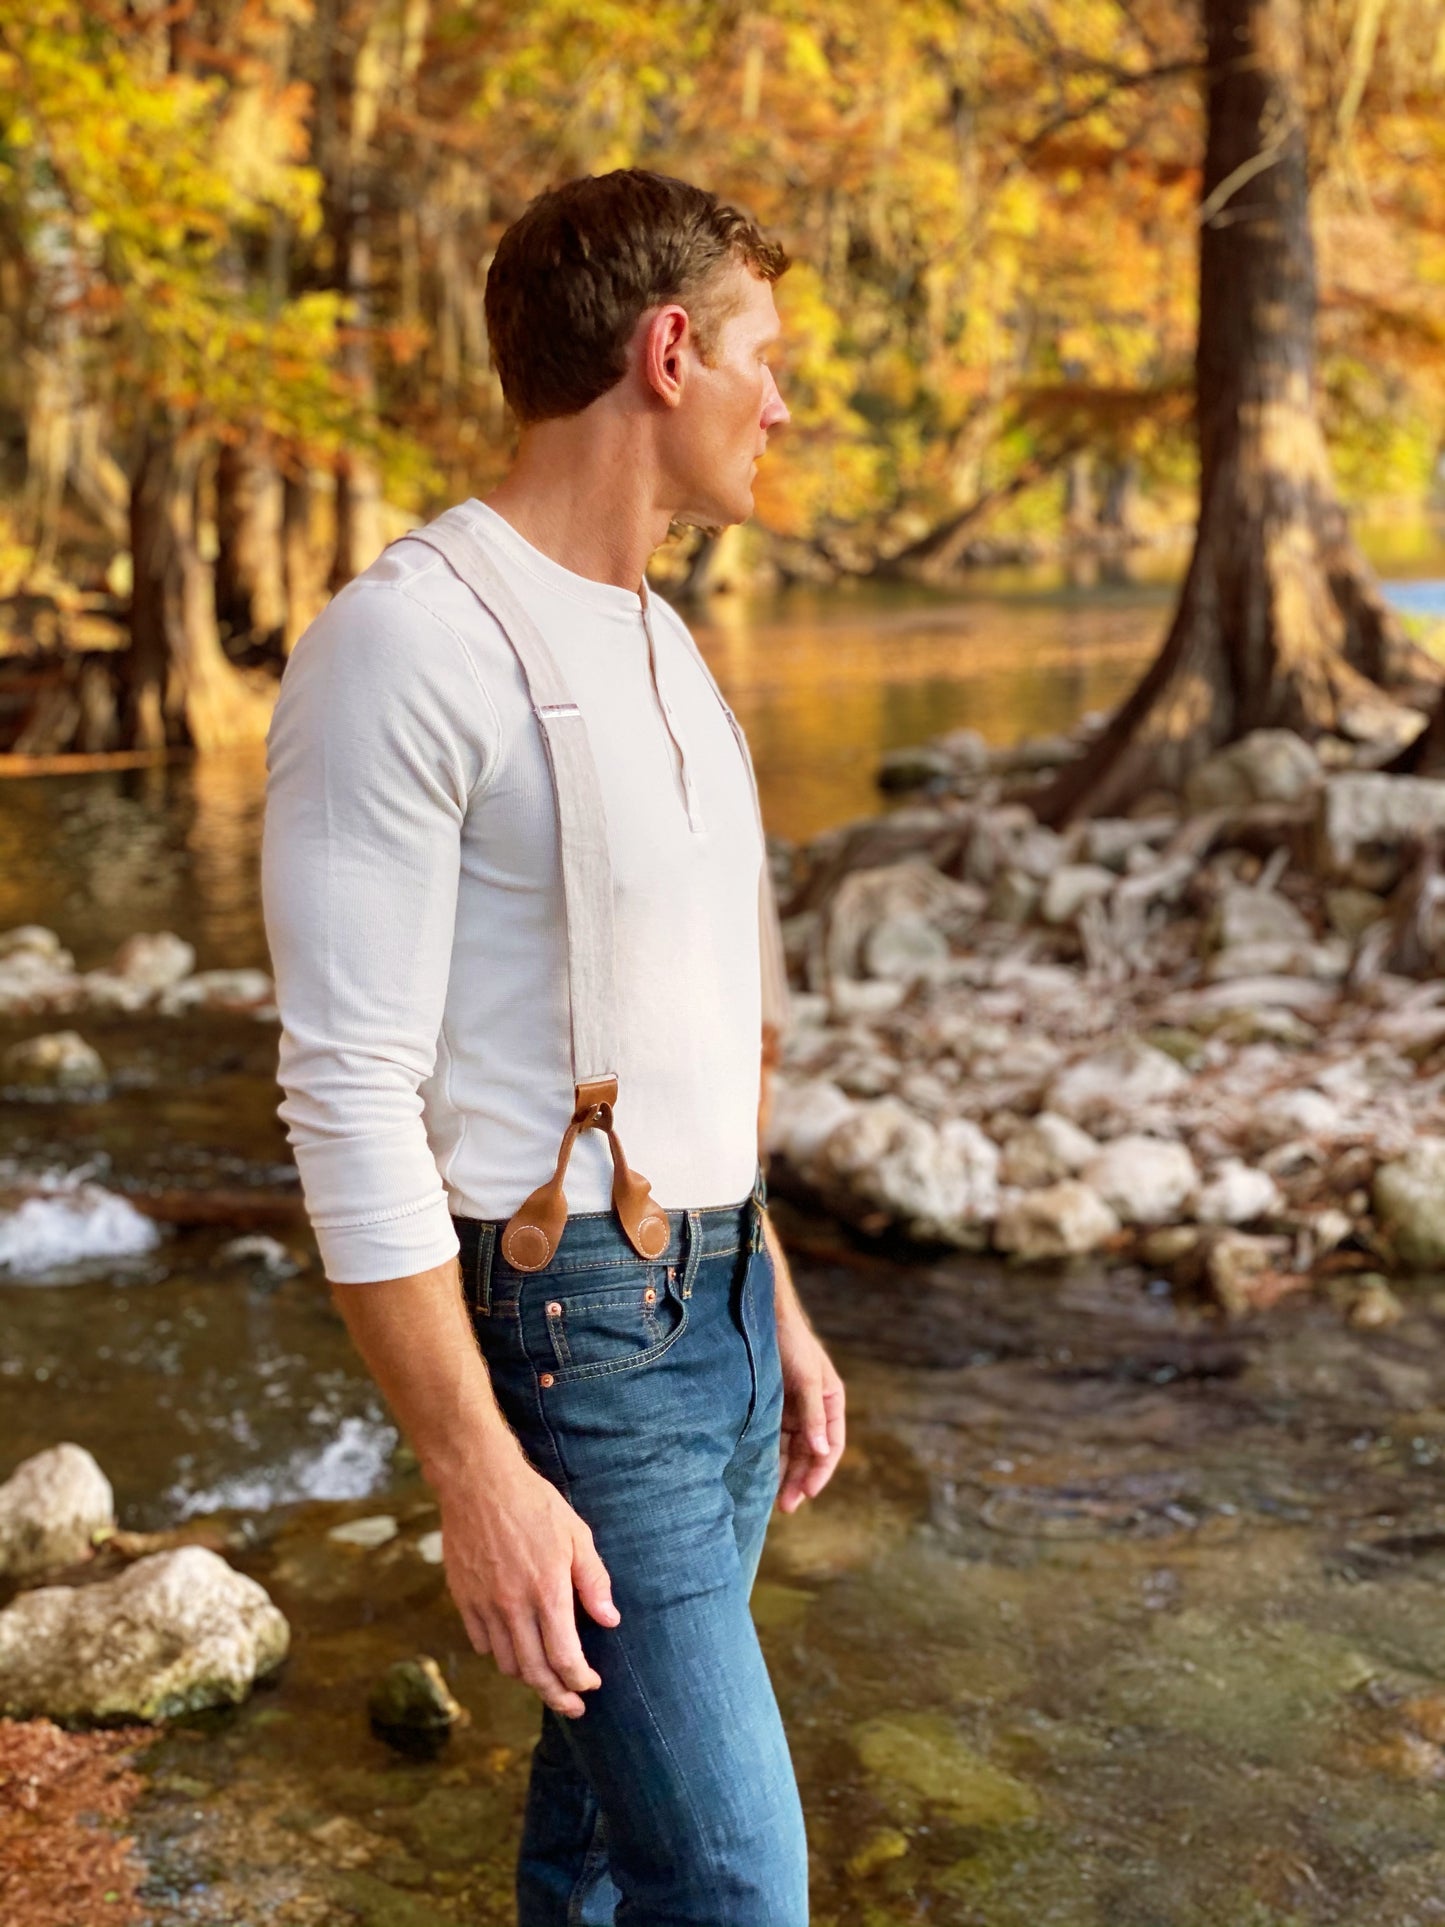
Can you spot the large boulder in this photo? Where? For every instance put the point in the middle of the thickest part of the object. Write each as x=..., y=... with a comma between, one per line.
x=51, y=1508
x=1409, y=1198
x=1146, y=1180
x=938, y=1180
x=177, y=1632
x=1119, y=1078
x=1064, y=1220
x=1267, y=766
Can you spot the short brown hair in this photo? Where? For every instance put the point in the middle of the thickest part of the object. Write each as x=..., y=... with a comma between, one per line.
x=573, y=274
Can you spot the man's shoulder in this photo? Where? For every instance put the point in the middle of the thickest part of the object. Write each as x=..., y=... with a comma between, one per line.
x=408, y=591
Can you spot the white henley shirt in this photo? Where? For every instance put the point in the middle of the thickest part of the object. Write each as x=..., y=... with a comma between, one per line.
x=412, y=894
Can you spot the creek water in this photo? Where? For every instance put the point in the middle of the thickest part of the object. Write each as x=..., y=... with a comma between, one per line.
x=1112, y=1616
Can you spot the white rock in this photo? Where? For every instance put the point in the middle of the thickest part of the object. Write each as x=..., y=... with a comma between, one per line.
x=35, y=972
x=803, y=1114
x=59, y=1061
x=965, y=749
x=1048, y=1149
x=866, y=898
x=1071, y=886
x=240, y=990
x=156, y=959
x=1146, y=1180
x=1366, y=806
x=430, y=1547
x=1266, y=766
x=865, y=996
x=34, y=940
x=1112, y=840
x=1301, y=1113
x=1238, y=1194
x=176, y=1632
x=263, y=1252
x=1064, y=1220
x=375, y=1530
x=1117, y=1079
x=1409, y=1198
x=903, y=948
x=1245, y=914
x=51, y=1508
x=941, y=1181
x=104, y=990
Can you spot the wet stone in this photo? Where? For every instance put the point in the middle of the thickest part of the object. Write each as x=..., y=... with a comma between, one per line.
x=412, y=1703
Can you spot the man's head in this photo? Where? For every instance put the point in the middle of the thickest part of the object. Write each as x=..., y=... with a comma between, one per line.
x=650, y=298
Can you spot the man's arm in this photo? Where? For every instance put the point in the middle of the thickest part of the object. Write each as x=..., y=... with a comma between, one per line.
x=814, y=1421
x=514, y=1548
x=381, y=735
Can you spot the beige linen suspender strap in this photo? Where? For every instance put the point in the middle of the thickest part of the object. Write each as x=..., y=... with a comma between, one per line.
x=534, y=1230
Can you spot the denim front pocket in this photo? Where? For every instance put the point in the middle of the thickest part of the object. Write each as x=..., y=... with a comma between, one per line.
x=599, y=1327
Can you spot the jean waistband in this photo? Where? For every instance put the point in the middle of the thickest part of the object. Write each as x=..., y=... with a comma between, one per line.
x=591, y=1239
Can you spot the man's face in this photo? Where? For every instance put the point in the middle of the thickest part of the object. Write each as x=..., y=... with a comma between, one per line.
x=729, y=403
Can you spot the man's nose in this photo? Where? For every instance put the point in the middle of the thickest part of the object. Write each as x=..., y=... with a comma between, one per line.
x=775, y=409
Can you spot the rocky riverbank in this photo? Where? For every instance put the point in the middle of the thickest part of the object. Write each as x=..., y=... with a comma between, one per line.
x=1210, y=1035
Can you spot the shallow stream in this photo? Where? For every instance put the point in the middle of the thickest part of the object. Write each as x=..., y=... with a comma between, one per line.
x=1112, y=1617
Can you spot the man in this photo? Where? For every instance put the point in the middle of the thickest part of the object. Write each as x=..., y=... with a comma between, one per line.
x=601, y=1413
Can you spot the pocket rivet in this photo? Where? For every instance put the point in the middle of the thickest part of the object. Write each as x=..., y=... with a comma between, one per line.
x=545, y=1379
x=554, y=1310
x=649, y=1296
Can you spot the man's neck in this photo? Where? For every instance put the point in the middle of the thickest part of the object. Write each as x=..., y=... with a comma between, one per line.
x=584, y=499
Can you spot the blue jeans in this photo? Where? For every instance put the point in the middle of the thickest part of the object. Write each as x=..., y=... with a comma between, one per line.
x=650, y=1394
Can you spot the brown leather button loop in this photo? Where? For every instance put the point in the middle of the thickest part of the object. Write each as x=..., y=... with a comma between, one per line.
x=535, y=1228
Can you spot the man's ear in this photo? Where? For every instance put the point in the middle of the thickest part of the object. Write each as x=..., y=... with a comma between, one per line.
x=666, y=337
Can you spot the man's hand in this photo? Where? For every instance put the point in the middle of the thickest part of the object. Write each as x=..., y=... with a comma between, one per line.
x=514, y=1548
x=814, y=1426
x=514, y=1552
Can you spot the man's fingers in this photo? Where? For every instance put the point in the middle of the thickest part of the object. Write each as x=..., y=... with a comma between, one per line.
x=590, y=1577
x=501, y=1643
x=813, y=1417
x=476, y=1629
x=799, y=1458
x=563, y=1649
x=536, y=1670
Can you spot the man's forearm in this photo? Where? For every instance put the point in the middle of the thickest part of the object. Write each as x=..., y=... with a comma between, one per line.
x=417, y=1342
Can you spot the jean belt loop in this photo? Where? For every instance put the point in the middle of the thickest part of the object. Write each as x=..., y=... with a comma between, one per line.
x=692, y=1236
x=756, y=1205
x=482, y=1281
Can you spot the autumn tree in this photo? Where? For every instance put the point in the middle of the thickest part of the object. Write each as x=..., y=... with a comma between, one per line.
x=1280, y=622
x=131, y=178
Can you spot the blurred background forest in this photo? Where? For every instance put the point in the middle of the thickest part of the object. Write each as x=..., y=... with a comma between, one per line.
x=243, y=246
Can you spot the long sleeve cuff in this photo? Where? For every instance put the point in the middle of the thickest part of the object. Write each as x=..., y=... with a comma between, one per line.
x=411, y=1233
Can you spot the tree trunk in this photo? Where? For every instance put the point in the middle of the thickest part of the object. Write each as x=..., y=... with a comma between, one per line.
x=250, y=579
x=1279, y=624
x=302, y=558
x=177, y=687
